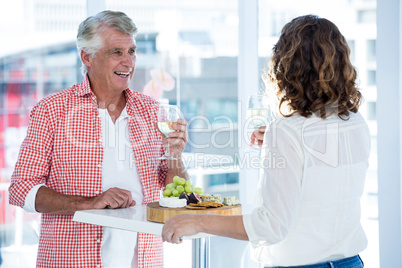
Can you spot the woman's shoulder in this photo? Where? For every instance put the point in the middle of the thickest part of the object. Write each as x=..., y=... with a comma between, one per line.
x=316, y=125
x=291, y=123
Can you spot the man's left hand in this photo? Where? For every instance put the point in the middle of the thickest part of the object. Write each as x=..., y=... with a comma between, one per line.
x=177, y=139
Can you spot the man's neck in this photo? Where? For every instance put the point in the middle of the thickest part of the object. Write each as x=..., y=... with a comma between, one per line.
x=113, y=101
x=114, y=104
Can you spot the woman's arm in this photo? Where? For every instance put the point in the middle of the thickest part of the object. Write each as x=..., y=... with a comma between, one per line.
x=187, y=225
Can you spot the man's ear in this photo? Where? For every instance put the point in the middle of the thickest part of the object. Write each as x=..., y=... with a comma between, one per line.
x=85, y=58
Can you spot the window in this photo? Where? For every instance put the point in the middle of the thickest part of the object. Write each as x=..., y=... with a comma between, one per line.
x=371, y=50
x=196, y=42
x=366, y=16
x=371, y=110
x=351, y=44
x=371, y=77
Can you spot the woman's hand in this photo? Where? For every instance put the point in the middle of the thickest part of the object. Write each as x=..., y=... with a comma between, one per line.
x=258, y=136
x=179, y=226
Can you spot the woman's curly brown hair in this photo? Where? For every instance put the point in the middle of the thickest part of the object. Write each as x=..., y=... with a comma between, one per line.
x=311, y=70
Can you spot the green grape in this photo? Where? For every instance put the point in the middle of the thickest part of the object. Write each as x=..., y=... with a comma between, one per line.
x=175, y=179
x=175, y=193
x=188, y=189
x=188, y=183
x=198, y=190
x=181, y=181
x=180, y=189
x=170, y=186
x=167, y=193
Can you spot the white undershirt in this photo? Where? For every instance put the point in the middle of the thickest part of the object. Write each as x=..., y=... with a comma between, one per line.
x=119, y=247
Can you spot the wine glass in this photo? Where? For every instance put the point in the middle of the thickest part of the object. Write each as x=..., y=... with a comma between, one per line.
x=167, y=115
x=257, y=113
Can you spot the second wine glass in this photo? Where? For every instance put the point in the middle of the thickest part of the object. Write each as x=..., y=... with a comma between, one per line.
x=257, y=112
x=167, y=116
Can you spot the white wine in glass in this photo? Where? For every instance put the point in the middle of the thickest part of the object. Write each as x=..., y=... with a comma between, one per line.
x=257, y=112
x=258, y=117
x=167, y=116
x=165, y=127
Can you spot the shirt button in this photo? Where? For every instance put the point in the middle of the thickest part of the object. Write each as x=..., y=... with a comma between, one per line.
x=98, y=265
x=96, y=192
x=99, y=165
x=98, y=241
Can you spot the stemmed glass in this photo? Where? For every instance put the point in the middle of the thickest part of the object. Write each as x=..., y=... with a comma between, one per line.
x=167, y=115
x=257, y=113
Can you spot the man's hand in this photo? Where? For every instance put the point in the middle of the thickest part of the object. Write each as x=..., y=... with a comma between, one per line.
x=113, y=198
x=258, y=136
x=178, y=139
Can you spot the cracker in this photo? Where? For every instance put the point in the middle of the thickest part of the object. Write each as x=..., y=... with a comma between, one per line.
x=195, y=207
x=205, y=204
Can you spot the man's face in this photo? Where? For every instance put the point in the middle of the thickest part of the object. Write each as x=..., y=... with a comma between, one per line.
x=113, y=67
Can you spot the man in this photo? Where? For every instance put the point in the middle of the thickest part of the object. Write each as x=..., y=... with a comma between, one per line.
x=95, y=146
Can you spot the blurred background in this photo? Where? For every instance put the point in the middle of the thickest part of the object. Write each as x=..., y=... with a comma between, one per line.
x=199, y=45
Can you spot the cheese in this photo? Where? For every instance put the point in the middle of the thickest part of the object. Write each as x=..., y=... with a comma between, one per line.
x=215, y=198
x=172, y=202
x=230, y=201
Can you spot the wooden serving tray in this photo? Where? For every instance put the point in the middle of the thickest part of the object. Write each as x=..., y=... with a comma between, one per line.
x=160, y=214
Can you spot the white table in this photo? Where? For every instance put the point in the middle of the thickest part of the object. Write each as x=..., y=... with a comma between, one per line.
x=134, y=219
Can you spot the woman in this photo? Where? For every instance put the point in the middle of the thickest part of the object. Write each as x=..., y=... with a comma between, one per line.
x=307, y=209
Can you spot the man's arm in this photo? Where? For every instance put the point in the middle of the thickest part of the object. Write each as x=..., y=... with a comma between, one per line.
x=50, y=201
x=175, y=168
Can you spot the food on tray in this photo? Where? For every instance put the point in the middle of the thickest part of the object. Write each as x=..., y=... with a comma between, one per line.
x=181, y=193
x=230, y=201
x=194, y=198
x=208, y=197
x=195, y=207
x=183, y=190
x=198, y=190
x=207, y=204
x=179, y=186
x=172, y=202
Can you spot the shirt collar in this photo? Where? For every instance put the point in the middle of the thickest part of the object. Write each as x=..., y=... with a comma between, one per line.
x=124, y=113
x=84, y=88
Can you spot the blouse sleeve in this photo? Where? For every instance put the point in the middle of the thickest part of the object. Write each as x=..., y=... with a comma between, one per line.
x=278, y=197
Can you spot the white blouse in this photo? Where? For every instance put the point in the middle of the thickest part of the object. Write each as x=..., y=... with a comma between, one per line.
x=307, y=207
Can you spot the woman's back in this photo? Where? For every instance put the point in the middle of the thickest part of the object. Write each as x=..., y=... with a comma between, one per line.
x=322, y=164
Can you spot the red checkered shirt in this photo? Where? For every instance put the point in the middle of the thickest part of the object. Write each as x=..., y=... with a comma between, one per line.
x=63, y=149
